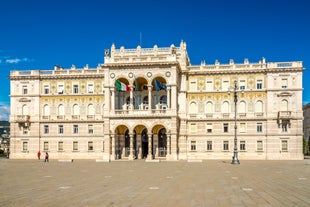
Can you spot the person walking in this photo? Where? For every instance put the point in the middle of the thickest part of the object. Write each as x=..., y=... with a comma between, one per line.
x=39, y=155
x=46, y=157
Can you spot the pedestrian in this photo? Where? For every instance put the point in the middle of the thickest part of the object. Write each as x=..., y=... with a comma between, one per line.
x=46, y=157
x=39, y=155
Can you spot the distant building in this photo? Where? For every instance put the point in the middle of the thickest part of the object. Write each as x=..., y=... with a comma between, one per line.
x=152, y=103
x=306, y=128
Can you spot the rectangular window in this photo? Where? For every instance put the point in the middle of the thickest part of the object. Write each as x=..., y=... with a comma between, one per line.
x=193, y=145
x=225, y=127
x=193, y=127
x=60, y=146
x=46, y=89
x=90, y=88
x=45, y=146
x=60, y=129
x=25, y=90
x=90, y=146
x=242, y=128
x=259, y=84
x=259, y=145
x=25, y=146
x=242, y=84
x=284, y=83
x=209, y=127
x=75, y=146
x=60, y=88
x=242, y=145
x=75, y=129
x=209, y=85
x=75, y=88
x=259, y=127
x=225, y=85
x=209, y=145
x=46, y=129
x=284, y=147
x=103, y=146
x=225, y=145
x=90, y=129
x=284, y=125
x=193, y=86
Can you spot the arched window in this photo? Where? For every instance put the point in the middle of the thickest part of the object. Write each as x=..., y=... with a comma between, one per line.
x=225, y=107
x=259, y=107
x=61, y=110
x=242, y=107
x=163, y=100
x=146, y=100
x=90, y=110
x=193, y=108
x=76, y=110
x=46, y=110
x=284, y=105
x=25, y=110
x=209, y=107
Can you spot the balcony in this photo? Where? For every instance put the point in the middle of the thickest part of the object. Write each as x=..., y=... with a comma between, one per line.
x=284, y=114
x=22, y=118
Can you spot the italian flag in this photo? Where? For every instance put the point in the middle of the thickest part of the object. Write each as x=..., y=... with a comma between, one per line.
x=121, y=86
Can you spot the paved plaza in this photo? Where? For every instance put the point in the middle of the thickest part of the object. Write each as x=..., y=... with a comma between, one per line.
x=142, y=184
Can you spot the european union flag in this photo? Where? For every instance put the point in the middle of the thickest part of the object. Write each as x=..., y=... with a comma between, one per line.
x=160, y=86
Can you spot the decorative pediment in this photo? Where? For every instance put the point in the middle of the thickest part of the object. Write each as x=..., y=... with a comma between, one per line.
x=24, y=100
x=285, y=94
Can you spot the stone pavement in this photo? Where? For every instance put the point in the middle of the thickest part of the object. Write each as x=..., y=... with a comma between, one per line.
x=141, y=184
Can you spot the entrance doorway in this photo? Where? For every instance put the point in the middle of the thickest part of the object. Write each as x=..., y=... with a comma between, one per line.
x=145, y=144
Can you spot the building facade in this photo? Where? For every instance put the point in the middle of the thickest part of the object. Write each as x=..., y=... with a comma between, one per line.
x=306, y=128
x=151, y=103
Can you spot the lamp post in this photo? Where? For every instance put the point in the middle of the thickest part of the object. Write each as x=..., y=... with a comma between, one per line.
x=235, y=159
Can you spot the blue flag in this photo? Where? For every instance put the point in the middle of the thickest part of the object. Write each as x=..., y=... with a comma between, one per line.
x=160, y=86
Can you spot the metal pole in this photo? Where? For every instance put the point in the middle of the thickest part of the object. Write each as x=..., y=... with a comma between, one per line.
x=235, y=157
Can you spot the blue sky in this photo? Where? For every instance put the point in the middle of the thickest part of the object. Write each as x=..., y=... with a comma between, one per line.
x=38, y=34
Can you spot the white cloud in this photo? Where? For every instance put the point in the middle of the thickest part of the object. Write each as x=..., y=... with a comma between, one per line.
x=15, y=60
x=4, y=113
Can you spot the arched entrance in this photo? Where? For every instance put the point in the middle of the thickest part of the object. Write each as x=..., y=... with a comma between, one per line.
x=162, y=143
x=144, y=143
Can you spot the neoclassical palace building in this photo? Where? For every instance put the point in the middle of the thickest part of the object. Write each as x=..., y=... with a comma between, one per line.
x=151, y=103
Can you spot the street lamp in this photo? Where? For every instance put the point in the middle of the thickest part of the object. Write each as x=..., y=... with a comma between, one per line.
x=235, y=159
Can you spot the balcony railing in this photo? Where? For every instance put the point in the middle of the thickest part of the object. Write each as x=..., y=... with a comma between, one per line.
x=284, y=114
x=22, y=118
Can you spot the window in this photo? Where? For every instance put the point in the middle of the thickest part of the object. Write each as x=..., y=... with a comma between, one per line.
x=75, y=146
x=259, y=127
x=193, y=108
x=225, y=107
x=284, y=105
x=60, y=129
x=193, y=145
x=46, y=110
x=284, y=83
x=45, y=146
x=25, y=146
x=90, y=129
x=60, y=88
x=46, y=129
x=242, y=145
x=46, y=89
x=209, y=145
x=90, y=88
x=60, y=146
x=242, y=107
x=225, y=85
x=193, y=86
x=284, y=125
x=209, y=127
x=25, y=90
x=76, y=110
x=90, y=110
x=284, y=145
x=193, y=127
x=25, y=110
x=225, y=145
x=209, y=85
x=225, y=127
x=259, y=107
x=259, y=84
x=242, y=128
x=75, y=129
x=75, y=88
x=90, y=146
x=242, y=84
x=209, y=107
x=61, y=110
x=259, y=146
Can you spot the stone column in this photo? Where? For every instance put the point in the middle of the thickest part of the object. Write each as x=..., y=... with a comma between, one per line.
x=131, y=107
x=113, y=99
x=168, y=96
x=131, y=155
x=113, y=146
x=150, y=97
x=149, y=154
